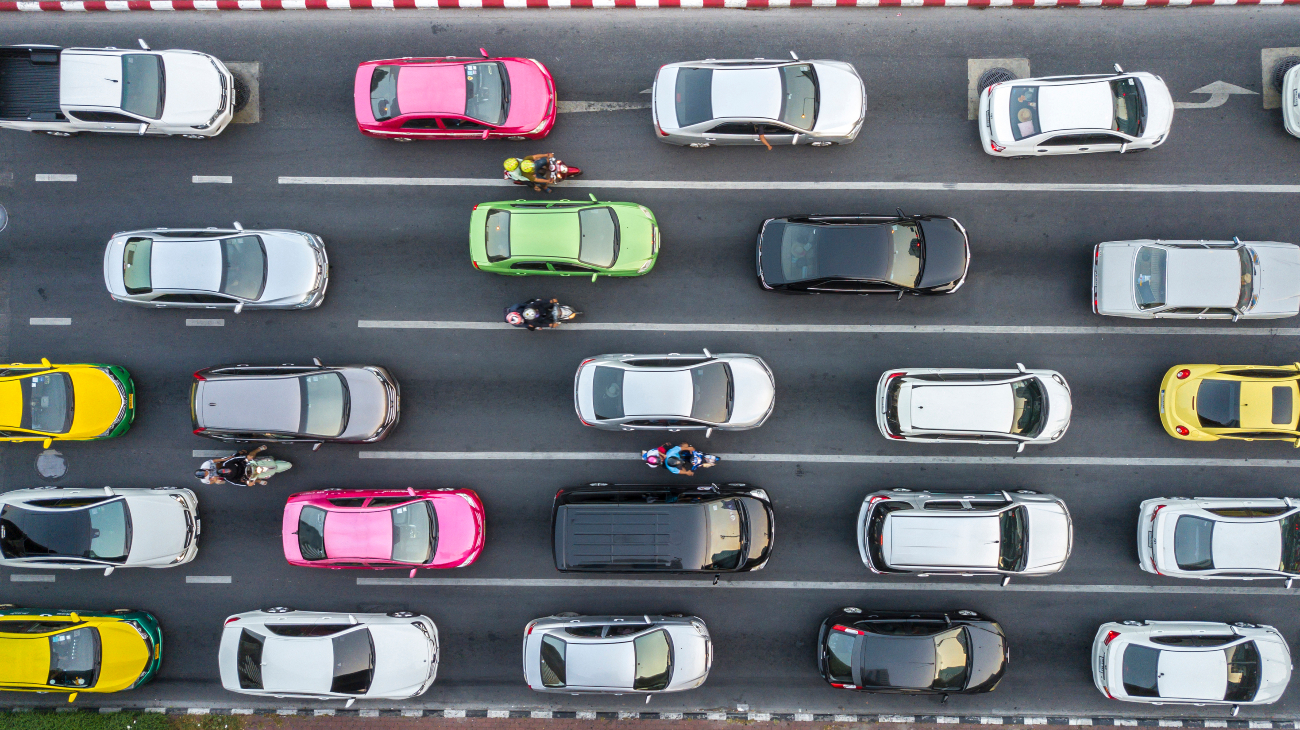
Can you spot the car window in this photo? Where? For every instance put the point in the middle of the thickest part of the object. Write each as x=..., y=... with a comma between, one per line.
x=553, y=669
x=498, y=235
x=626, y=629
x=32, y=627
x=905, y=266
x=724, y=523
x=1243, y=672
x=1193, y=542
x=463, y=125
x=1291, y=544
x=1024, y=112
x=944, y=505
x=741, y=128
x=74, y=658
x=839, y=656
x=713, y=392
x=383, y=93
x=1218, y=403
x=1013, y=530
x=354, y=662
x=144, y=86
x=1149, y=273
x=585, y=632
x=1128, y=106
x=136, y=256
x=799, y=96
x=571, y=268
x=607, y=396
x=191, y=299
x=903, y=628
x=324, y=404
x=348, y=502
x=487, y=92
x=1140, y=671
x=1248, y=511
x=598, y=242
x=415, y=532
x=1030, y=407
x=694, y=96
x=530, y=266
x=654, y=660
x=50, y=403
x=311, y=533
x=243, y=267
x=421, y=123
x=1193, y=641
x=951, y=660
x=306, y=630
x=105, y=117
x=248, y=660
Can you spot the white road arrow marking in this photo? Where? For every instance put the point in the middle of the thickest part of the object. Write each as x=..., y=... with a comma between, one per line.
x=566, y=107
x=1219, y=92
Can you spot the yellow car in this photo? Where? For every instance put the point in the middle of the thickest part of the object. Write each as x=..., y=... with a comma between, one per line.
x=71, y=651
x=64, y=402
x=1246, y=402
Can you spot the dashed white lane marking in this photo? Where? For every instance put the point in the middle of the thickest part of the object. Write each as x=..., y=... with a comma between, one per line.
x=864, y=329
x=227, y=179
x=22, y=578
x=837, y=459
x=810, y=585
x=211, y=323
x=568, y=107
x=209, y=453
x=198, y=710
x=207, y=579
x=968, y=187
x=47, y=177
x=57, y=321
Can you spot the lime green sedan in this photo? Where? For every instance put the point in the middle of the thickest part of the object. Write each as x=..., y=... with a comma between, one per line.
x=563, y=238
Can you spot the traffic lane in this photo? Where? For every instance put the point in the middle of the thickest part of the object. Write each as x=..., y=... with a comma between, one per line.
x=916, y=126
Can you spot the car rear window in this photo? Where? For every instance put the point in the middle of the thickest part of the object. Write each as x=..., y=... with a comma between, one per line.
x=415, y=532
x=74, y=658
x=324, y=404
x=1218, y=403
x=1291, y=544
x=839, y=656
x=354, y=662
x=248, y=660
x=654, y=661
x=712, y=392
x=243, y=267
x=799, y=96
x=598, y=243
x=553, y=674
x=487, y=92
x=498, y=235
x=607, y=398
x=136, y=257
x=1243, y=672
x=1024, y=111
x=311, y=533
x=694, y=96
x=1140, y=671
x=1149, y=275
x=1193, y=541
x=383, y=93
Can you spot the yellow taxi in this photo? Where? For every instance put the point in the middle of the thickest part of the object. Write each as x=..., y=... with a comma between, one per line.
x=77, y=651
x=44, y=402
x=1244, y=402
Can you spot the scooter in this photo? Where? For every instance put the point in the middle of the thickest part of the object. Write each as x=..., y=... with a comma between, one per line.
x=562, y=170
x=516, y=315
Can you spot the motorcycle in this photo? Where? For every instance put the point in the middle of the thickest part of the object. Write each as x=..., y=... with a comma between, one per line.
x=242, y=468
x=560, y=170
x=539, y=314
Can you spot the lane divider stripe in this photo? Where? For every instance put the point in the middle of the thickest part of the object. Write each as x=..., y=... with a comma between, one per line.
x=868, y=329
x=44, y=177
x=207, y=579
x=1107, y=461
x=56, y=321
x=27, y=578
x=126, y=5
x=212, y=179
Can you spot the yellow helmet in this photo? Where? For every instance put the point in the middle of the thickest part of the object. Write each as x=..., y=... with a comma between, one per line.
x=527, y=166
x=511, y=164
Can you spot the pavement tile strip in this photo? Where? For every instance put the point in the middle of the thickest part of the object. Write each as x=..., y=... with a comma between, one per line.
x=125, y=5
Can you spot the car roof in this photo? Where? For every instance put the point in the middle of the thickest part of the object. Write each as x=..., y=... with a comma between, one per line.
x=603, y=664
x=250, y=403
x=1199, y=277
x=363, y=534
x=916, y=538
x=1087, y=105
x=747, y=93
x=983, y=408
x=431, y=89
x=191, y=265
x=297, y=664
x=544, y=232
x=907, y=661
x=657, y=392
x=1193, y=675
x=1246, y=545
x=627, y=534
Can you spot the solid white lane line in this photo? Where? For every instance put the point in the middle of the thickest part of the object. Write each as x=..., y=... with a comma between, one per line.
x=45, y=177
x=227, y=179
x=56, y=321
x=971, y=187
x=211, y=323
x=838, y=459
x=869, y=329
x=569, y=107
x=27, y=578
x=207, y=579
x=806, y=585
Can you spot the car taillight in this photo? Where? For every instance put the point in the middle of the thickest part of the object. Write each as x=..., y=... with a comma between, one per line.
x=898, y=374
x=231, y=620
x=1153, y=565
x=1108, y=694
x=475, y=264
x=199, y=430
x=475, y=206
x=844, y=686
x=1156, y=511
x=198, y=377
x=1182, y=374
x=1096, y=254
x=1181, y=430
x=1110, y=636
x=584, y=362
x=995, y=146
x=877, y=498
x=1094, y=305
x=847, y=630
x=662, y=133
x=895, y=437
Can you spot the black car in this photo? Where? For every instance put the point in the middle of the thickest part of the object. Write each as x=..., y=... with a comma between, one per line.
x=960, y=652
x=675, y=529
x=863, y=254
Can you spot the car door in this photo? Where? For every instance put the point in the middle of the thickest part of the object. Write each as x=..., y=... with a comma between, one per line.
x=422, y=127
x=524, y=268
x=462, y=128
x=775, y=134
x=93, y=120
x=1073, y=144
x=1180, y=313
x=732, y=133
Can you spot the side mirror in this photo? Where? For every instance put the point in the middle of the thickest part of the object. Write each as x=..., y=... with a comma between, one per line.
x=1020, y=447
x=76, y=618
x=45, y=362
x=47, y=443
x=108, y=490
x=108, y=571
x=1123, y=148
x=316, y=446
x=793, y=55
x=708, y=432
x=143, y=45
x=594, y=277
x=1005, y=580
x=707, y=353
x=349, y=702
x=484, y=52
x=317, y=361
x=72, y=696
x=412, y=574
x=1236, y=241
x=239, y=307
x=900, y=296
x=485, y=133
x=410, y=491
x=1118, y=69
x=593, y=197
x=238, y=226
x=1289, y=582
x=1021, y=367
x=143, y=128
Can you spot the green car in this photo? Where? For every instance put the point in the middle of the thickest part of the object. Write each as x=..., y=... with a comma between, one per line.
x=563, y=238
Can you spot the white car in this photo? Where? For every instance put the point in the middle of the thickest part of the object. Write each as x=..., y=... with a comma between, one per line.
x=280, y=652
x=1291, y=101
x=1069, y=115
x=758, y=101
x=616, y=654
x=1149, y=279
x=940, y=533
x=958, y=406
x=98, y=529
x=1190, y=663
x=1220, y=538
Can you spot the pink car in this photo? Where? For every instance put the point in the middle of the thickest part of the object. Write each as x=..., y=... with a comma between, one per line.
x=454, y=98
x=383, y=528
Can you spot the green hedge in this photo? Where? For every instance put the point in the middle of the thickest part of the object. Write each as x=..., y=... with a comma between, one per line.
x=115, y=721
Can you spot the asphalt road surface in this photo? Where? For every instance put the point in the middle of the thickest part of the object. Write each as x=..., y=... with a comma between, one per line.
x=399, y=253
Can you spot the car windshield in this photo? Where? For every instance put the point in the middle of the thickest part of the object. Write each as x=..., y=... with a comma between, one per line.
x=607, y=395
x=497, y=237
x=951, y=660
x=598, y=244
x=553, y=673
x=1149, y=277
x=49, y=403
x=324, y=404
x=1024, y=111
x=1013, y=533
x=354, y=662
x=1193, y=540
x=891, y=253
x=74, y=658
x=694, y=96
x=311, y=533
x=1218, y=403
x=799, y=96
x=98, y=532
x=654, y=661
x=1291, y=544
x=243, y=267
x=383, y=93
x=713, y=392
x=839, y=656
x=144, y=88
x=248, y=660
x=1128, y=106
x=1247, y=278
x=1030, y=407
x=136, y=256
x=1141, y=665
x=725, y=530
x=415, y=532
x=487, y=92
x=1243, y=672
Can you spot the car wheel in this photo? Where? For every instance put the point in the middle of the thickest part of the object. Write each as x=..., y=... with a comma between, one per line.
x=1132, y=623
x=598, y=484
x=900, y=489
x=122, y=610
x=966, y=612
x=1244, y=625
x=699, y=145
x=61, y=134
x=567, y=614
x=1279, y=70
x=194, y=136
x=517, y=139
x=277, y=609
x=992, y=76
x=1025, y=491
x=851, y=609
x=675, y=615
x=820, y=144
x=401, y=139
x=400, y=614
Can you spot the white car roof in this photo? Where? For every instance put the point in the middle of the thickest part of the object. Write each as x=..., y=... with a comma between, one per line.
x=1202, y=277
x=1087, y=105
x=296, y=664
x=193, y=265
x=912, y=537
x=983, y=408
x=600, y=665
x=1238, y=545
x=1193, y=675
x=657, y=393
x=747, y=93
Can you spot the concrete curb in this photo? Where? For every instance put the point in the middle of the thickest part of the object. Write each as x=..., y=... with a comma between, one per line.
x=126, y=5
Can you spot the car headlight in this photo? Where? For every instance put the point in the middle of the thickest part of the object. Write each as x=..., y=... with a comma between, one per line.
x=645, y=267
x=1058, y=434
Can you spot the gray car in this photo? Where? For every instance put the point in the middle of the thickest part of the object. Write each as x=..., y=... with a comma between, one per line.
x=294, y=403
x=758, y=101
x=674, y=392
x=616, y=654
x=217, y=268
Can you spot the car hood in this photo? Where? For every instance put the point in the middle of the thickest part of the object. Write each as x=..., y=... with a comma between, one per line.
x=690, y=656
x=96, y=399
x=1049, y=536
x=1276, y=672
x=1059, y=406
x=988, y=656
x=124, y=656
x=530, y=95
x=460, y=529
x=1115, y=278
x=841, y=99
x=158, y=528
x=945, y=252
x=1245, y=545
x=634, y=241
x=940, y=541
x=193, y=88
x=1278, y=283
x=754, y=392
x=404, y=657
x=291, y=269
x=367, y=404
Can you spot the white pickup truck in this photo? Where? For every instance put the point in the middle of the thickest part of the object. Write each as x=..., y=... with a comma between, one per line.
x=66, y=91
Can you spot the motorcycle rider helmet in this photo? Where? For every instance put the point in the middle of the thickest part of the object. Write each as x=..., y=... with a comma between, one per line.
x=514, y=318
x=511, y=164
x=200, y=474
x=530, y=313
x=651, y=458
x=527, y=166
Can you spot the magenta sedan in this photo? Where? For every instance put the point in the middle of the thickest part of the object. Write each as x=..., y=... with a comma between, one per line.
x=383, y=528
x=454, y=98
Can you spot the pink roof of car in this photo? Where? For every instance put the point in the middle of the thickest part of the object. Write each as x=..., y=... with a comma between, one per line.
x=364, y=535
x=433, y=89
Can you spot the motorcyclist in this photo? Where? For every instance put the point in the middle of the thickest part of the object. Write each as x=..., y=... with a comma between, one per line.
x=242, y=467
x=533, y=314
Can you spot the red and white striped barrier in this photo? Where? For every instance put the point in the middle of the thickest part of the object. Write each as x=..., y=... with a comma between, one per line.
x=124, y=5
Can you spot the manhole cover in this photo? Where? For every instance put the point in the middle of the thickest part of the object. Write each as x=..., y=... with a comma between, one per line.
x=1279, y=71
x=4, y=217
x=51, y=464
x=992, y=76
x=242, y=93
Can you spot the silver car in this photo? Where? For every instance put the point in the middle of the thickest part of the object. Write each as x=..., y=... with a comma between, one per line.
x=758, y=101
x=98, y=529
x=674, y=392
x=1149, y=279
x=1220, y=538
x=960, y=406
x=616, y=654
x=939, y=533
x=215, y=268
